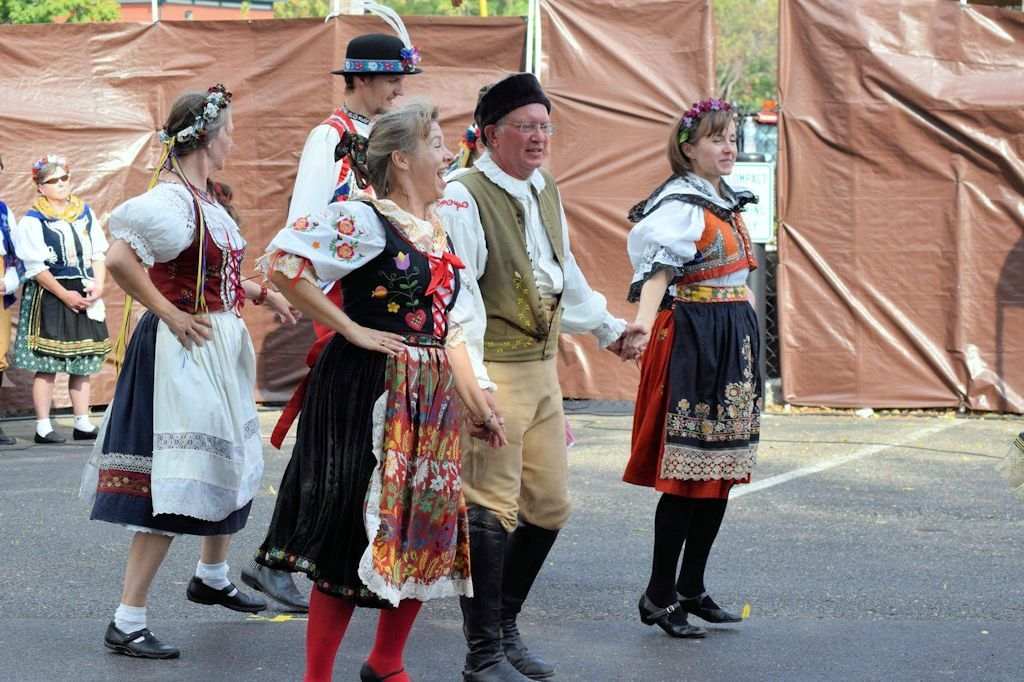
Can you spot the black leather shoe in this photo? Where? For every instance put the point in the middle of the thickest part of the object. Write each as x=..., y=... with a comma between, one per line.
x=49, y=439
x=671, y=619
x=141, y=644
x=79, y=434
x=278, y=585
x=7, y=440
x=368, y=674
x=519, y=656
x=230, y=597
x=704, y=607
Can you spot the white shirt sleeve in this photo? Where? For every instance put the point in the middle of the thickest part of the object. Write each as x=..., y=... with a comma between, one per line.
x=158, y=225
x=461, y=217
x=12, y=223
x=31, y=247
x=666, y=239
x=317, y=177
x=336, y=241
x=583, y=309
x=10, y=283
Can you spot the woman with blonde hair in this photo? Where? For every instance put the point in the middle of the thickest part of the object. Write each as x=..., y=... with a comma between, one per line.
x=371, y=505
x=62, y=324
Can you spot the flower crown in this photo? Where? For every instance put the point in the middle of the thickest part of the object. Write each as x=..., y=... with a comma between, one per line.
x=54, y=159
x=217, y=99
x=691, y=119
x=471, y=137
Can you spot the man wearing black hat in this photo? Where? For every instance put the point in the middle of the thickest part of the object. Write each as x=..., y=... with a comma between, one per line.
x=374, y=70
x=506, y=220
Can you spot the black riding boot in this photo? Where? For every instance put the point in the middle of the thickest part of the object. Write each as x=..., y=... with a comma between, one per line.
x=481, y=614
x=527, y=549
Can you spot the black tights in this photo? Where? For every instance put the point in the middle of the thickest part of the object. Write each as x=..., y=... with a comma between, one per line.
x=677, y=520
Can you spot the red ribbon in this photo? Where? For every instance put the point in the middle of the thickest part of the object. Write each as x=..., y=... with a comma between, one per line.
x=294, y=406
x=441, y=275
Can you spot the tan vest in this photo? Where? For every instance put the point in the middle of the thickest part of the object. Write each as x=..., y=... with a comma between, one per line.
x=520, y=326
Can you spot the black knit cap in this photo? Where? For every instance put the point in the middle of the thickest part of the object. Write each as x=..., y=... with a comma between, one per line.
x=509, y=93
x=376, y=53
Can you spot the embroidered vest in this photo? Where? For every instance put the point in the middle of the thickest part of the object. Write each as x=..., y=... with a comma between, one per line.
x=389, y=292
x=176, y=279
x=519, y=327
x=65, y=263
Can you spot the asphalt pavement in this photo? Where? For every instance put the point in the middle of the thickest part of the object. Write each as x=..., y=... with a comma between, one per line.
x=866, y=549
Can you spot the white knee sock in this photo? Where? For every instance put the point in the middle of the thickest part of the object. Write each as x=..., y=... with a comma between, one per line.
x=43, y=426
x=214, y=575
x=82, y=423
x=129, y=619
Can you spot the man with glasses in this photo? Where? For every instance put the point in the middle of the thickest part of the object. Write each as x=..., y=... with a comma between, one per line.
x=10, y=270
x=508, y=226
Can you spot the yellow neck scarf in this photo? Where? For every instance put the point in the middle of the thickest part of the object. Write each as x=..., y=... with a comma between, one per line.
x=70, y=213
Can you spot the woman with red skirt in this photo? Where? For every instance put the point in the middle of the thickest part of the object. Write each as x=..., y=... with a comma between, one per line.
x=695, y=429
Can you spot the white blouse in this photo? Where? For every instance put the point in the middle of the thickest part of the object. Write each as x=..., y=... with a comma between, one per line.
x=667, y=237
x=37, y=256
x=161, y=223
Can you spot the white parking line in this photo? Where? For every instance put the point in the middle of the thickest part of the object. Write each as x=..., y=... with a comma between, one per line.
x=824, y=465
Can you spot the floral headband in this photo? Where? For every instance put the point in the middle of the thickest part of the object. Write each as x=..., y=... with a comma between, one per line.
x=691, y=119
x=49, y=159
x=217, y=99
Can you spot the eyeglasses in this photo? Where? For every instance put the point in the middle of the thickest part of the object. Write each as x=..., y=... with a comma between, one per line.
x=54, y=181
x=530, y=127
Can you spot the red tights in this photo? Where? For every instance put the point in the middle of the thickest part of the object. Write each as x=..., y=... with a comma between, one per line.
x=329, y=618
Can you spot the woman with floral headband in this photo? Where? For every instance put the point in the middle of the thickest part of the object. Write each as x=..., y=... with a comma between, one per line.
x=180, y=450
x=371, y=505
x=62, y=324
x=697, y=418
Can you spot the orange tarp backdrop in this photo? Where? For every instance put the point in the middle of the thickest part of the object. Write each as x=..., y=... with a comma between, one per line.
x=901, y=180
x=618, y=73
x=617, y=78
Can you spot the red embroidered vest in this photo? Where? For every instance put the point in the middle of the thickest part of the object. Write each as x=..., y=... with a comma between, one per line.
x=723, y=248
x=176, y=279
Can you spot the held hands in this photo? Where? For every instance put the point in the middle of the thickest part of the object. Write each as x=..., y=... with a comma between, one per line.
x=75, y=301
x=94, y=293
x=633, y=342
x=489, y=427
x=283, y=312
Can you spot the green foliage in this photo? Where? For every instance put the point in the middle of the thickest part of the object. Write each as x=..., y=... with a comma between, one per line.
x=747, y=47
x=288, y=9
x=44, y=11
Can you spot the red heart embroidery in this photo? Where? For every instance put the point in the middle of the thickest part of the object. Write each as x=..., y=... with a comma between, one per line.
x=416, y=319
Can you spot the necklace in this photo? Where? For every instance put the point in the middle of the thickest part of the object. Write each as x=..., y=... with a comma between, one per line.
x=356, y=117
x=205, y=196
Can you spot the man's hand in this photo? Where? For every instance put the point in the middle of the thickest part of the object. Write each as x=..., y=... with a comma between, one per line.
x=632, y=343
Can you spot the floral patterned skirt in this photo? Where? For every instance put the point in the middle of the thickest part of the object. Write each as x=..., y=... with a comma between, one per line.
x=698, y=410
x=371, y=505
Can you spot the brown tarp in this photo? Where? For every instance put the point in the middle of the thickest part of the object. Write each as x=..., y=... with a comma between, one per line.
x=101, y=95
x=618, y=73
x=901, y=180
x=97, y=92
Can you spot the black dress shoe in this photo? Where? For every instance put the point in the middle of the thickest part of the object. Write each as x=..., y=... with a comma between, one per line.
x=704, y=607
x=141, y=644
x=79, y=434
x=671, y=619
x=368, y=674
x=278, y=585
x=7, y=440
x=49, y=439
x=230, y=597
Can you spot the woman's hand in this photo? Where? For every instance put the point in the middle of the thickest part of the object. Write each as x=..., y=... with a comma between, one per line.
x=489, y=428
x=283, y=312
x=95, y=293
x=190, y=330
x=635, y=340
x=75, y=301
x=372, y=339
